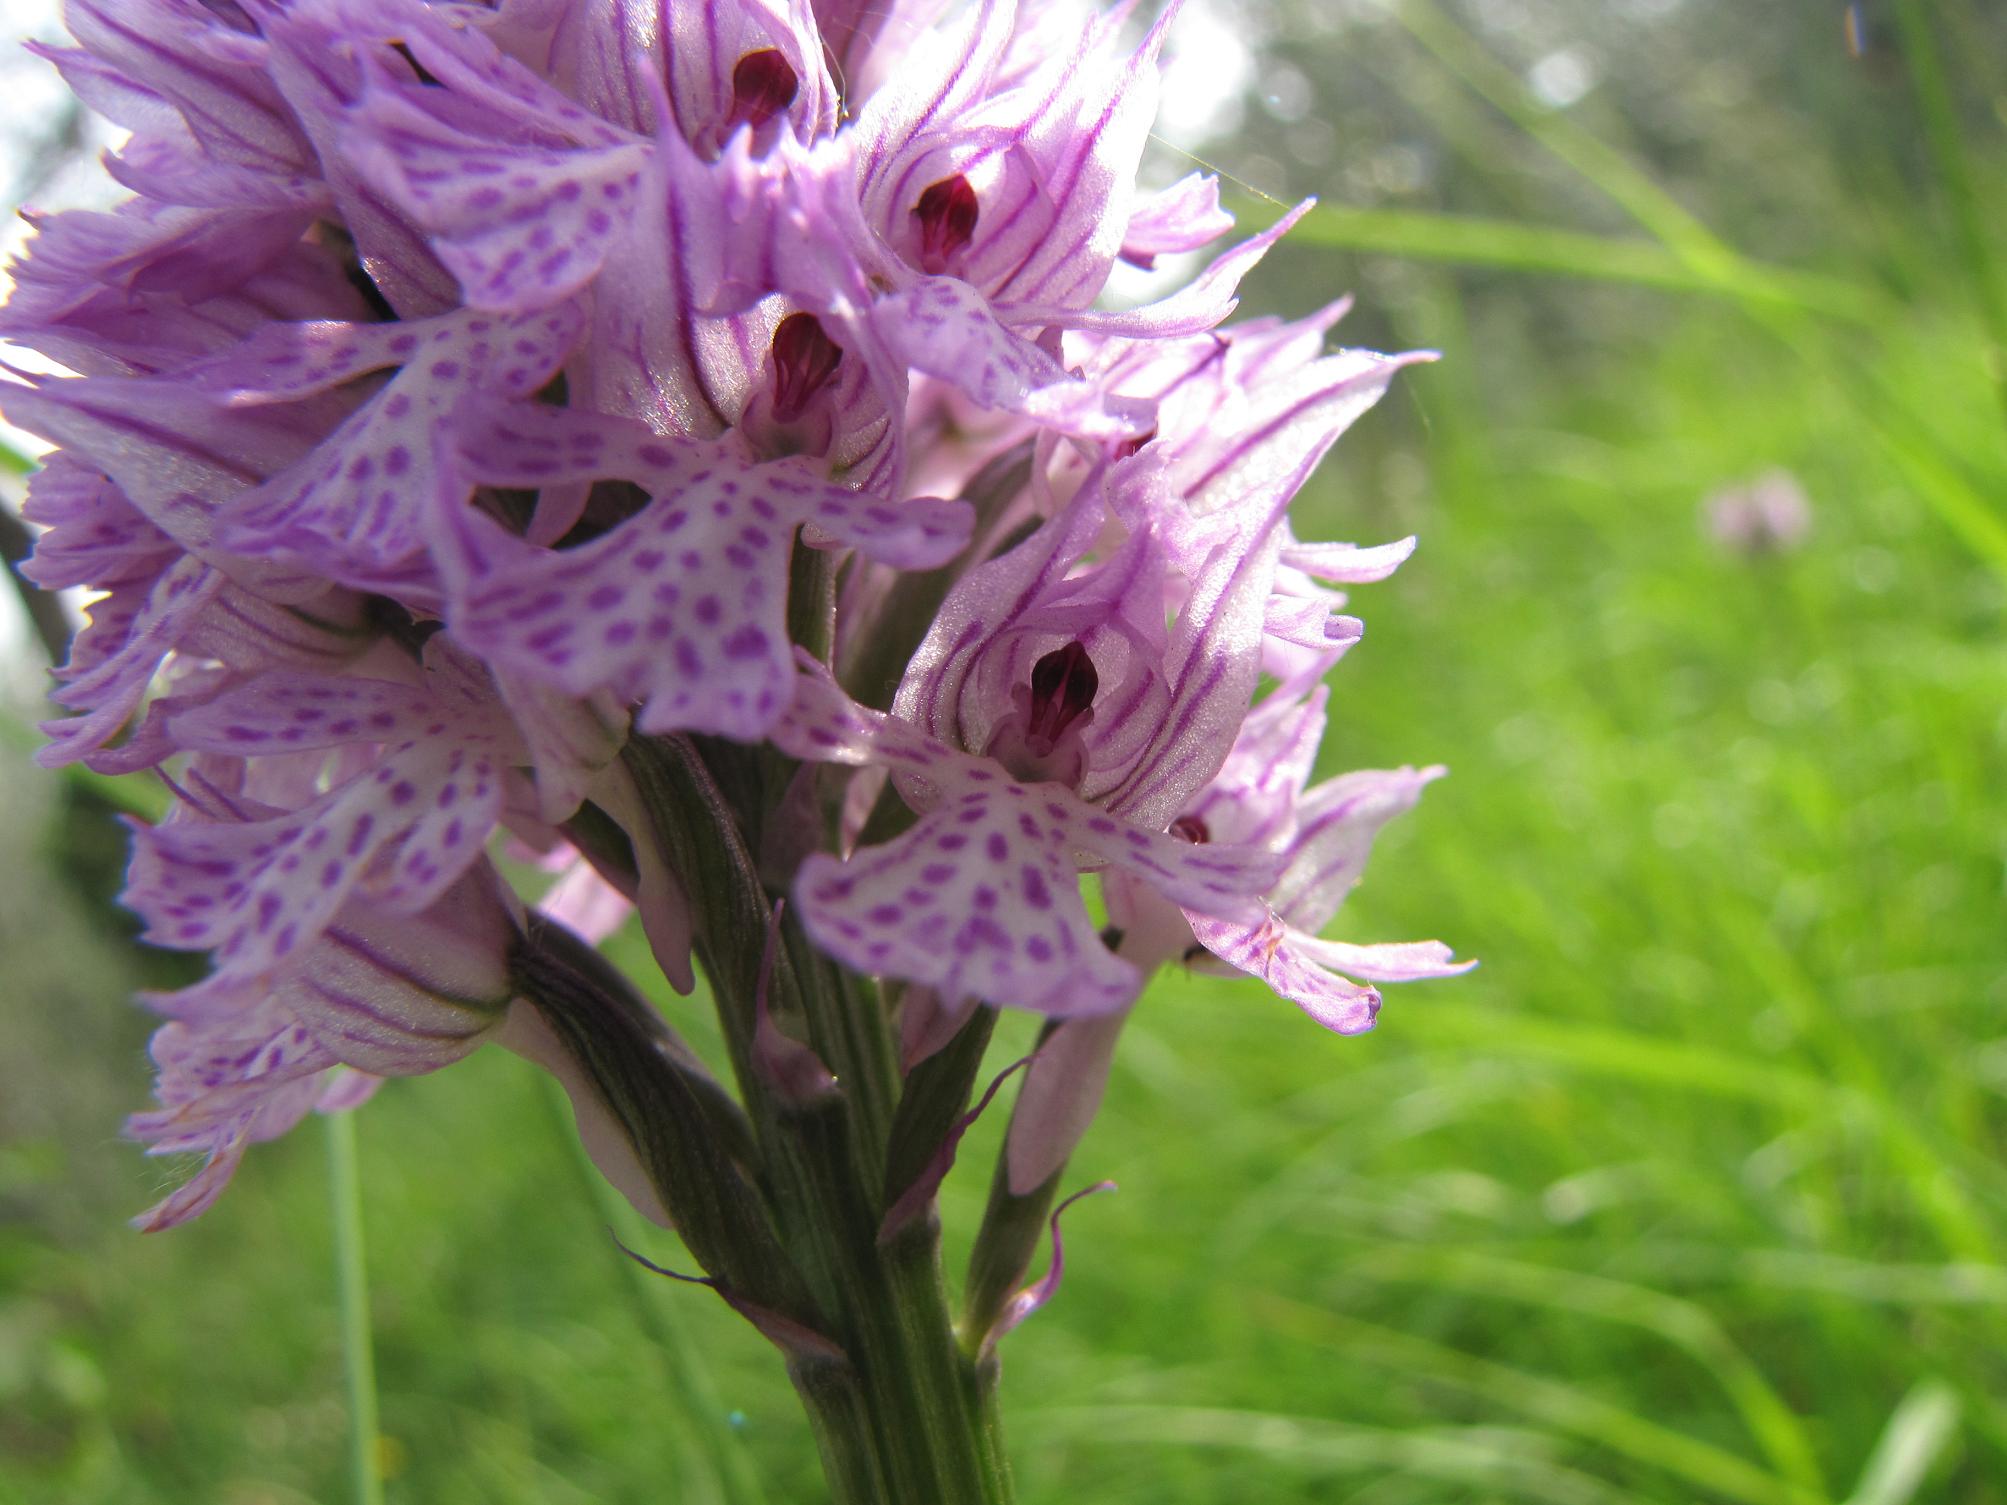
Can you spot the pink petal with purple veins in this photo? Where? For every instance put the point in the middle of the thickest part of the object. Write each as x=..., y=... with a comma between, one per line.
x=1200, y=305
x=176, y=457
x=1068, y=169
x=223, y=1085
x=1279, y=429
x=1174, y=220
x=1383, y=961
x=365, y=489
x=1275, y=954
x=1337, y=822
x=522, y=226
x=401, y=994
x=1253, y=798
x=1213, y=661
x=193, y=61
x=682, y=607
x=986, y=603
x=1309, y=622
x=1059, y=1099
x=1347, y=563
x=616, y=58
x=980, y=899
x=943, y=327
x=942, y=73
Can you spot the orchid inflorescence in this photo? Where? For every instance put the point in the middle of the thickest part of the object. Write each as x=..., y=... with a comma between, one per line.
x=680, y=434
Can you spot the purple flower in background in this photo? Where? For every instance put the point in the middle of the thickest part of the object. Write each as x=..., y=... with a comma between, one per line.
x=1768, y=515
x=480, y=408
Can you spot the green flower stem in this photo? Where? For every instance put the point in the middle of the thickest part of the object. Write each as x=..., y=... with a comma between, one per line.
x=910, y=1417
x=910, y=1397
x=900, y=1412
x=352, y=1281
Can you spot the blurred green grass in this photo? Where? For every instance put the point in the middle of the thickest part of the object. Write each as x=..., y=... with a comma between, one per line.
x=1694, y=1191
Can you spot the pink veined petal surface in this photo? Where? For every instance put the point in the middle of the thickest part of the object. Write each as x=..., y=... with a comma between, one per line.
x=359, y=499
x=521, y=228
x=224, y=1086
x=944, y=327
x=258, y=888
x=981, y=897
x=1275, y=954
x=1184, y=217
x=681, y=608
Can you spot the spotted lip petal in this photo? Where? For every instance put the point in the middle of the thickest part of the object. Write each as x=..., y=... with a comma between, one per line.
x=190, y=613
x=982, y=897
x=243, y=1059
x=356, y=504
x=248, y=1077
x=681, y=608
x=256, y=886
x=521, y=227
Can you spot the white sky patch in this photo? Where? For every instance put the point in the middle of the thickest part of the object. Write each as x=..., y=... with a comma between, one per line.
x=1208, y=71
x=1562, y=77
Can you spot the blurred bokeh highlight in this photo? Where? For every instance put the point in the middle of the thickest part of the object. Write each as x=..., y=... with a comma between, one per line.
x=1693, y=1192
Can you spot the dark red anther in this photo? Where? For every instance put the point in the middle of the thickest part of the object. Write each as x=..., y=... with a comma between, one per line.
x=1062, y=687
x=947, y=213
x=1191, y=828
x=763, y=84
x=1129, y=447
x=804, y=361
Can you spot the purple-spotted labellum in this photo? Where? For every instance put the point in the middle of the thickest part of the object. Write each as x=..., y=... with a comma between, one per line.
x=681, y=442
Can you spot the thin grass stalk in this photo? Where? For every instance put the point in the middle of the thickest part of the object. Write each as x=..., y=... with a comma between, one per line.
x=352, y=1286
x=1954, y=168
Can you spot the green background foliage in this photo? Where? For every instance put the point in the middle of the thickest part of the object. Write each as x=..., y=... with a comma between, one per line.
x=1693, y=1192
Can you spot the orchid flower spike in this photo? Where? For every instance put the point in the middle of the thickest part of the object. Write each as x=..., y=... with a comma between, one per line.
x=477, y=410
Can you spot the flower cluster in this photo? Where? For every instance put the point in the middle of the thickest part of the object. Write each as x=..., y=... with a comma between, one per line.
x=473, y=389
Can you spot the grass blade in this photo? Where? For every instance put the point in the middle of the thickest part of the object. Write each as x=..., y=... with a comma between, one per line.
x=1683, y=1324
x=352, y=1282
x=1923, y=1425
x=1947, y=147
x=1471, y=240
x=1565, y=1407
x=1492, y=1461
